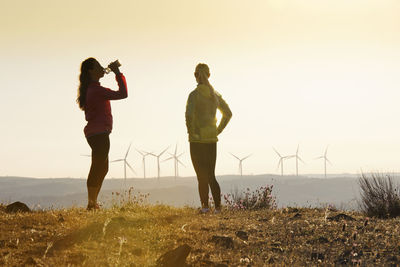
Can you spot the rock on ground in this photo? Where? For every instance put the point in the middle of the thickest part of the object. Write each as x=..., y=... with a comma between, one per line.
x=17, y=207
x=175, y=258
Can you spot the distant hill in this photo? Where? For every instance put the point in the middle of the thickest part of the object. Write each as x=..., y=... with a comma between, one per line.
x=303, y=191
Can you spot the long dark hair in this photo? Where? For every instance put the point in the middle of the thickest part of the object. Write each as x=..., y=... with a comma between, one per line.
x=84, y=81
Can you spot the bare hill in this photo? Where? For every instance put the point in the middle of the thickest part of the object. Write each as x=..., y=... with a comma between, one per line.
x=289, y=190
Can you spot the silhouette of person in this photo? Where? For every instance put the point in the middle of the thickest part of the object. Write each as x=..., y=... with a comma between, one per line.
x=201, y=121
x=94, y=99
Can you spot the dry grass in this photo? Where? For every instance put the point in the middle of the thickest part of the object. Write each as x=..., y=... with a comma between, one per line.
x=137, y=235
x=379, y=196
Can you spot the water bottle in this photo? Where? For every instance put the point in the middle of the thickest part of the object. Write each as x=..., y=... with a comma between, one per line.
x=108, y=70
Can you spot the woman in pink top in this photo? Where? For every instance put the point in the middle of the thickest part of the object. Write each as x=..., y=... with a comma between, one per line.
x=95, y=101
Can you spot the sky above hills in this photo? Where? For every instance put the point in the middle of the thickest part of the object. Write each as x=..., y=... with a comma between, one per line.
x=313, y=73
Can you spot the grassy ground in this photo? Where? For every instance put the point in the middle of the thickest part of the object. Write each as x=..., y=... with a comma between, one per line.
x=135, y=235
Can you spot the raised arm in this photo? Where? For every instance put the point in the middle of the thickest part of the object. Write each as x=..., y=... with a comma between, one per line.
x=122, y=89
x=226, y=113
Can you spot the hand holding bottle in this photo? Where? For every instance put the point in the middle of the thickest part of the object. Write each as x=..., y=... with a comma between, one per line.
x=113, y=66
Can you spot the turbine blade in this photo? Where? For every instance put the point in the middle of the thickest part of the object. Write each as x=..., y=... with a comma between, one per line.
x=126, y=155
x=301, y=159
x=279, y=163
x=246, y=157
x=234, y=156
x=276, y=152
x=163, y=151
x=140, y=152
x=147, y=152
x=297, y=151
x=326, y=150
x=168, y=159
x=181, y=163
x=328, y=161
x=180, y=154
x=117, y=160
x=176, y=148
x=130, y=167
x=319, y=157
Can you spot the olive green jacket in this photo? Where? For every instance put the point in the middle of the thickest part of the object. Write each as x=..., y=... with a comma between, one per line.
x=201, y=108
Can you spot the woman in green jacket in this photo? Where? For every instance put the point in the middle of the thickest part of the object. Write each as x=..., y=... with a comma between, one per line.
x=202, y=128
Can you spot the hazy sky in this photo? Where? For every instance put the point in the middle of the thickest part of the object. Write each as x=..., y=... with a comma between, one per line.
x=306, y=72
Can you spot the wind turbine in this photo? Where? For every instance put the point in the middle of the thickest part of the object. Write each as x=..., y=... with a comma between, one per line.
x=297, y=160
x=281, y=159
x=158, y=161
x=325, y=159
x=240, y=163
x=177, y=161
x=144, y=155
x=126, y=162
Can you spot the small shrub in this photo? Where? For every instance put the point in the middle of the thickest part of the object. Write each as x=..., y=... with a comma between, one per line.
x=259, y=199
x=379, y=196
x=129, y=197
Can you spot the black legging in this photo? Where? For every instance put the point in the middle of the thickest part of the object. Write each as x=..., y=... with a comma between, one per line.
x=100, y=144
x=203, y=157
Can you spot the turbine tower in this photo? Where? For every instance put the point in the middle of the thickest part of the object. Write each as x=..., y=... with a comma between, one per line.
x=158, y=161
x=281, y=159
x=177, y=161
x=297, y=160
x=240, y=163
x=325, y=159
x=144, y=155
x=126, y=162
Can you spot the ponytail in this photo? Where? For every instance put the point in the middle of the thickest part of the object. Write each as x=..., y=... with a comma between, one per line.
x=203, y=72
x=84, y=81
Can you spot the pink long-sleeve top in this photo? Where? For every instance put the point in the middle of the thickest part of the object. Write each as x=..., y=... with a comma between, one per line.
x=98, y=109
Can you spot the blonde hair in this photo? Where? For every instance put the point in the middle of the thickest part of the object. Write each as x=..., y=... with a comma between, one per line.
x=202, y=72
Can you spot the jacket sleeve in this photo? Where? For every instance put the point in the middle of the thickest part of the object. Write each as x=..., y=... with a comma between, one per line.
x=122, y=91
x=226, y=113
x=189, y=114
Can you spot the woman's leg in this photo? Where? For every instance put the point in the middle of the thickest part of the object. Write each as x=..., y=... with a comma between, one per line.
x=93, y=172
x=100, y=145
x=101, y=177
x=198, y=159
x=104, y=165
x=212, y=181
